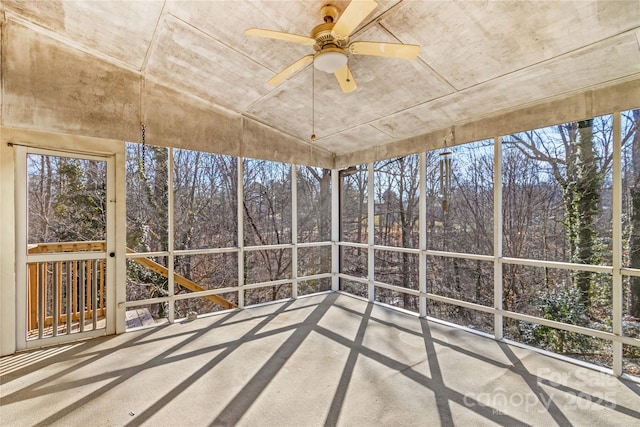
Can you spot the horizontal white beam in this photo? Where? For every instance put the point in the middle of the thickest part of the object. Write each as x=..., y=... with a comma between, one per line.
x=460, y=303
x=147, y=254
x=413, y=292
x=397, y=249
x=363, y=280
x=265, y=284
x=178, y=297
x=228, y=250
x=475, y=257
x=314, y=244
x=353, y=245
x=268, y=247
x=315, y=277
x=557, y=264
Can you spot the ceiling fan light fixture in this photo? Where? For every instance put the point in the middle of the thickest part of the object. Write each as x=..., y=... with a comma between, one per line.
x=330, y=60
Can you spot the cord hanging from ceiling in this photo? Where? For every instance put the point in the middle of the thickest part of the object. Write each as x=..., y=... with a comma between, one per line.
x=143, y=129
x=313, y=104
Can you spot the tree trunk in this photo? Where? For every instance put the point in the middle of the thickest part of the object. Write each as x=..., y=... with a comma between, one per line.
x=584, y=208
x=634, y=241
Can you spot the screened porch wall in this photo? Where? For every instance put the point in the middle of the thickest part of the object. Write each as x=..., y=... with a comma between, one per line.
x=467, y=265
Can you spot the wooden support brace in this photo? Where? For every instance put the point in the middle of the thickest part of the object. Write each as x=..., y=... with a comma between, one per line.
x=181, y=280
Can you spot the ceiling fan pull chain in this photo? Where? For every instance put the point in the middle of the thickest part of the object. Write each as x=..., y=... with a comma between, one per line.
x=144, y=149
x=313, y=104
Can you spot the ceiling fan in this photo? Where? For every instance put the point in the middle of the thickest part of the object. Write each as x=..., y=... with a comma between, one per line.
x=330, y=41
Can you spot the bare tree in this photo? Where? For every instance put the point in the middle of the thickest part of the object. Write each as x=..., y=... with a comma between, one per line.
x=578, y=163
x=267, y=214
x=632, y=136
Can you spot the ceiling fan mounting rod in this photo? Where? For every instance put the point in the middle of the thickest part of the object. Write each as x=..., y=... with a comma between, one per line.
x=329, y=13
x=323, y=33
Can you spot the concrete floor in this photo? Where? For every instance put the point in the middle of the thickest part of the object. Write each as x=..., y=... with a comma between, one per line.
x=324, y=360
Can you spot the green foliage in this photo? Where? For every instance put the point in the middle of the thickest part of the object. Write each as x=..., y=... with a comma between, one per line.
x=67, y=199
x=562, y=304
x=601, y=297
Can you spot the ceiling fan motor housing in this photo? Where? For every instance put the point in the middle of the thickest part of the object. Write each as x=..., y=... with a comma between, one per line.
x=322, y=34
x=330, y=55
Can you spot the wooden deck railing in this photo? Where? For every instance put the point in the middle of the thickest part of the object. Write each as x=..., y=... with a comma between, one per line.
x=81, y=283
x=65, y=292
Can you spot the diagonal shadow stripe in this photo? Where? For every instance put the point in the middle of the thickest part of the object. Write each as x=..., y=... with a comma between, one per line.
x=76, y=352
x=177, y=390
x=133, y=370
x=596, y=400
x=243, y=400
x=347, y=373
x=157, y=360
x=443, y=343
x=424, y=381
x=442, y=402
x=631, y=386
x=532, y=381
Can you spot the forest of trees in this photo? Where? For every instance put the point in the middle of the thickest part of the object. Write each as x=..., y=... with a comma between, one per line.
x=205, y=188
x=556, y=206
x=557, y=196
x=66, y=199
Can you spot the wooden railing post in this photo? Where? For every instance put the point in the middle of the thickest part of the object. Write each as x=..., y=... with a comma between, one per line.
x=33, y=296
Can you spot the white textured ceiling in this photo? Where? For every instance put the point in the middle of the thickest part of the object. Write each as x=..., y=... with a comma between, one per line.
x=477, y=58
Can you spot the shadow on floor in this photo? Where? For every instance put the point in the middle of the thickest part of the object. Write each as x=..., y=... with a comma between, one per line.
x=323, y=360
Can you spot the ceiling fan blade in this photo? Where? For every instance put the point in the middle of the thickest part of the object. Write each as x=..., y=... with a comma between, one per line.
x=279, y=35
x=291, y=70
x=352, y=16
x=345, y=78
x=392, y=50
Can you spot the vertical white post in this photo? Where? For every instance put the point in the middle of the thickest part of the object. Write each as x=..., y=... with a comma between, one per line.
x=497, y=236
x=20, y=189
x=422, y=221
x=294, y=230
x=240, y=213
x=335, y=229
x=119, y=231
x=616, y=212
x=170, y=239
x=370, y=232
